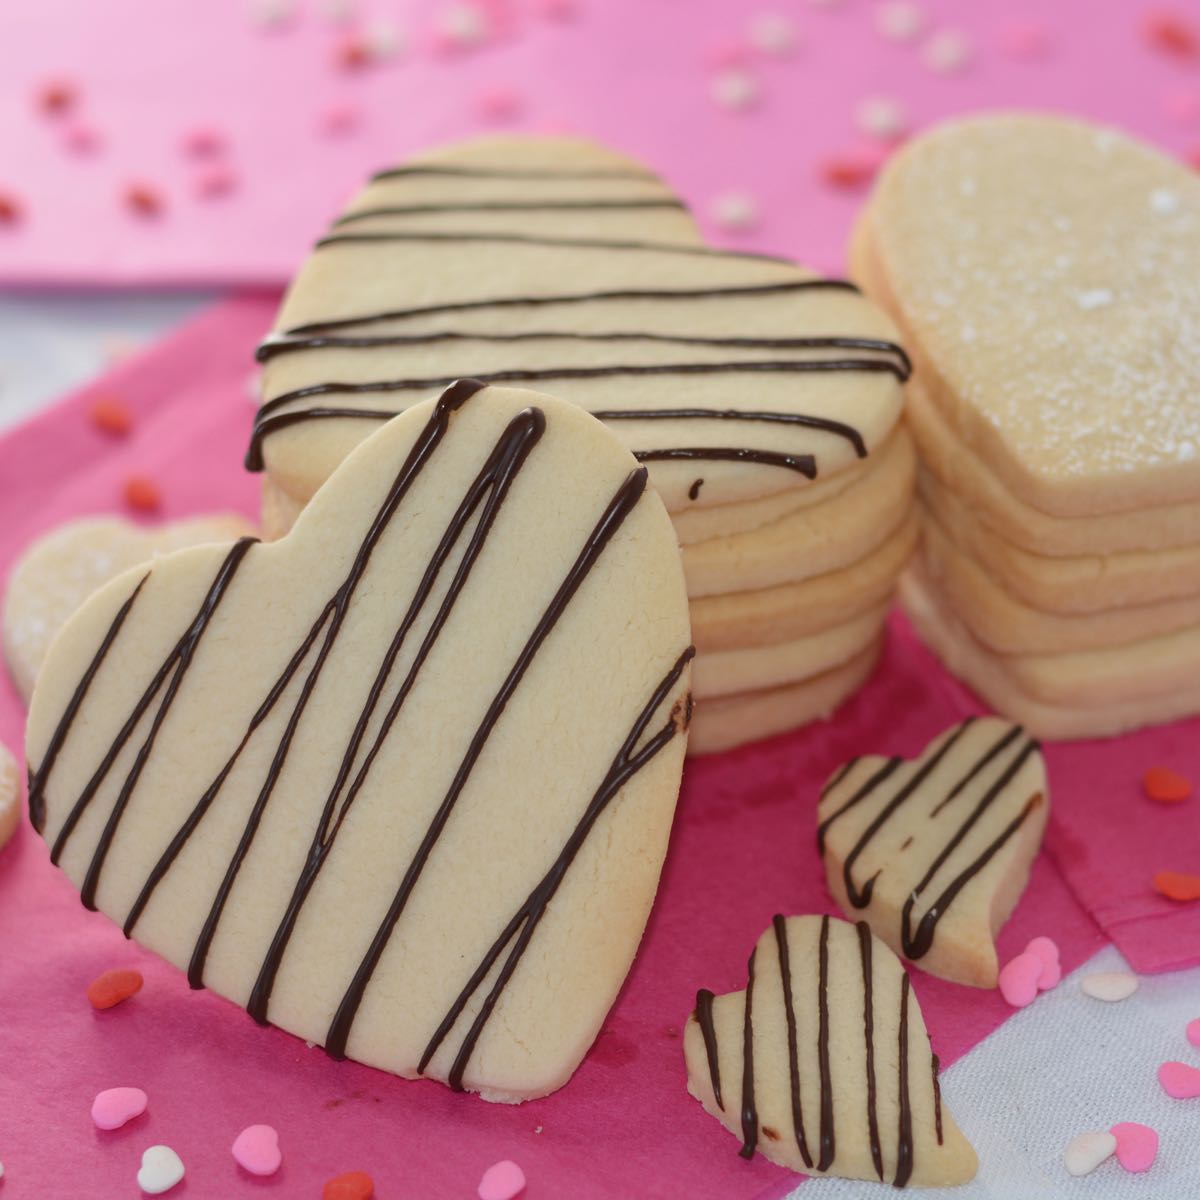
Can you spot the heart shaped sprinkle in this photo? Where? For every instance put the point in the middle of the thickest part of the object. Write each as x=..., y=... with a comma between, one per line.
x=502, y=1181
x=112, y=987
x=350, y=1185
x=160, y=1171
x=1110, y=986
x=1047, y=950
x=1087, y=1151
x=1179, y=1081
x=1137, y=1145
x=1166, y=786
x=1193, y=1032
x=256, y=1150
x=114, y=1106
x=1177, y=885
x=1019, y=979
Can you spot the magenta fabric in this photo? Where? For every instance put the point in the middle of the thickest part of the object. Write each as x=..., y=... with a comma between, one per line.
x=635, y=73
x=742, y=849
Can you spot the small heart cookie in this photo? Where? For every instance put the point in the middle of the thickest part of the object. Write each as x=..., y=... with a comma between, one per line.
x=934, y=852
x=347, y=779
x=823, y=1063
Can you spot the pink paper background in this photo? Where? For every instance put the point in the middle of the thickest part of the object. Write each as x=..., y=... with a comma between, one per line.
x=743, y=848
x=635, y=73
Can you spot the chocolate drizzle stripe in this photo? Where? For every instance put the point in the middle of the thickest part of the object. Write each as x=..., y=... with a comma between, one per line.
x=275, y=346
x=545, y=173
x=997, y=748
x=506, y=206
x=749, y=1104
x=785, y=980
x=839, y=775
x=937, y=1095
x=38, y=778
x=828, y=1135
x=607, y=245
x=904, y=1136
x=704, y=1018
x=878, y=777
x=864, y=950
x=670, y=295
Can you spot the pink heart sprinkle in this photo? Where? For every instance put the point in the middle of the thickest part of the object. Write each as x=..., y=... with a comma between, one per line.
x=1019, y=979
x=1047, y=950
x=1137, y=1145
x=256, y=1149
x=1179, y=1080
x=1193, y=1032
x=502, y=1181
x=114, y=1106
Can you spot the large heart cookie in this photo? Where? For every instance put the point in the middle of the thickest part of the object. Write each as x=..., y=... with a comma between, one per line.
x=823, y=1063
x=59, y=571
x=934, y=852
x=735, y=377
x=401, y=782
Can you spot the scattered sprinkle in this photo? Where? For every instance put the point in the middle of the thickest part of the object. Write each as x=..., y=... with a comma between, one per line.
x=160, y=1171
x=852, y=168
x=142, y=493
x=502, y=1181
x=1177, y=885
x=272, y=14
x=110, y=414
x=1019, y=979
x=948, y=52
x=256, y=1149
x=463, y=27
x=1165, y=785
x=900, y=21
x=1026, y=40
x=340, y=119
x=111, y=987
x=498, y=104
x=735, y=210
x=142, y=200
x=81, y=138
x=1137, y=1145
x=113, y=1107
x=881, y=117
x=1087, y=1151
x=1179, y=1081
x=774, y=34
x=728, y=53
x=735, y=89
x=1046, y=950
x=10, y=209
x=203, y=142
x=215, y=181
x=1193, y=1032
x=1110, y=986
x=1172, y=33
x=1093, y=298
x=351, y=1185
x=352, y=55
x=384, y=39
x=56, y=98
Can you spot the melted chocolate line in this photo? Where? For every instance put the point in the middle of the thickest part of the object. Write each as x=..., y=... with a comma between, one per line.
x=622, y=770
x=828, y=1135
x=904, y=1139
x=527, y=206
x=694, y=490
x=451, y=400
x=704, y=1018
x=749, y=1104
x=494, y=480
x=937, y=1095
x=182, y=656
x=38, y=778
x=918, y=944
x=879, y=776
x=785, y=978
x=860, y=898
x=839, y=775
x=864, y=949
x=621, y=505
x=802, y=464
x=997, y=748
x=279, y=345
x=528, y=239
x=481, y=172
x=616, y=294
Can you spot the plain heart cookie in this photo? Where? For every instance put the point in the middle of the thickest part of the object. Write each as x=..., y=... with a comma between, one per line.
x=60, y=570
x=348, y=779
x=823, y=1063
x=934, y=852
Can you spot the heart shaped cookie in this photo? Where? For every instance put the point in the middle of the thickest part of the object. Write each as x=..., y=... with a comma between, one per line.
x=734, y=376
x=823, y=1063
x=934, y=852
x=349, y=778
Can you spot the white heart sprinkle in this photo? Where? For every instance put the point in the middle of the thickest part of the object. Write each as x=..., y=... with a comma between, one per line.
x=161, y=1170
x=1109, y=985
x=735, y=210
x=1087, y=1151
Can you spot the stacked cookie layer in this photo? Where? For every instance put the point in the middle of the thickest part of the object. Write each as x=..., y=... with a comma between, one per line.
x=764, y=400
x=1047, y=276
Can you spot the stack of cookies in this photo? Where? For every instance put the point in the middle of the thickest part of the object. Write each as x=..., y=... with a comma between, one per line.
x=765, y=401
x=1047, y=276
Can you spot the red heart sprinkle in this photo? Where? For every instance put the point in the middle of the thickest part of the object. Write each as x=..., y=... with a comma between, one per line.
x=352, y=1185
x=114, y=986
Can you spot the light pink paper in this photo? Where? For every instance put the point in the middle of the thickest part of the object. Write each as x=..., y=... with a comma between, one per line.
x=635, y=73
x=743, y=848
